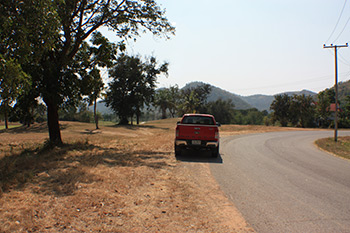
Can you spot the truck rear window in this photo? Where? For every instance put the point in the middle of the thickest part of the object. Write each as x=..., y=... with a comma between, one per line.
x=199, y=120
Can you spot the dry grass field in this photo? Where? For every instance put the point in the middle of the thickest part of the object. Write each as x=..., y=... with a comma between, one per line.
x=115, y=179
x=340, y=148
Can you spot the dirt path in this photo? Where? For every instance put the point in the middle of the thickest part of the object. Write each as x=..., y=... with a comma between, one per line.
x=117, y=179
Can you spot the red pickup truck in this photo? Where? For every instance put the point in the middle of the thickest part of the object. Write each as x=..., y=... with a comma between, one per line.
x=197, y=131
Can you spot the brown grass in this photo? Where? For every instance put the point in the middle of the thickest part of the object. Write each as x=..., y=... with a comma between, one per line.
x=340, y=148
x=116, y=179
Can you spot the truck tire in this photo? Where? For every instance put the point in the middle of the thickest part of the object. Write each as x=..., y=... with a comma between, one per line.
x=177, y=151
x=215, y=152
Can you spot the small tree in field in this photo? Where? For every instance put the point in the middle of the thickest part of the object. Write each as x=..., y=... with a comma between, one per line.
x=280, y=107
x=13, y=82
x=133, y=85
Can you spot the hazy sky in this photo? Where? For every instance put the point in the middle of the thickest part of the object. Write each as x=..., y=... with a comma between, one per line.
x=252, y=46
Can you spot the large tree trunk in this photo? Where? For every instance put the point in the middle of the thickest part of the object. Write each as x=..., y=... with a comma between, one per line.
x=124, y=121
x=53, y=123
x=163, y=113
x=95, y=113
x=137, y=119
x=6, y=119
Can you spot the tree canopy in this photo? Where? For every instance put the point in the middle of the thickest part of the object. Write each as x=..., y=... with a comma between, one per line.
x=133, y=85
x=13, y=82
x=48, y=45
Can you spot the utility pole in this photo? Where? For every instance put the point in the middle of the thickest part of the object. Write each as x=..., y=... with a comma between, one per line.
x=336, y=85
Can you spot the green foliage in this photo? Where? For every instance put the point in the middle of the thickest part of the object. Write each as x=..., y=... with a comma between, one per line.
x=223, y=110
x=296, y=110
x=162, y=101
x=13, y=82
x=194, y=99
x=133, y=85
x=280, y=107
x=344, y=121
x=249, y=117
x=167, y=99
x=71, y=113
x=302, y=111
x=46, y=47
x=324, y=100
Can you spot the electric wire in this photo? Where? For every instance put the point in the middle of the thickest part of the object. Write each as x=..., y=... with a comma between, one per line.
x=305, y=81
x=336, y=25
x=342, y=30
x=340, y=58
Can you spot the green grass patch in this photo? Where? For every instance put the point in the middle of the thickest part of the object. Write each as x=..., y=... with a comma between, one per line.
x=340, y=148
x=10, y=126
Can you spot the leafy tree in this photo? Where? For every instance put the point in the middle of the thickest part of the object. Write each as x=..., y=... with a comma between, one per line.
x=280, y=106
x=298, y=110
x=223, y=110
x=249, y=117
x=95, y=86
x=13, y=81
x=344, y=121
x=25, y=109
x=194, y=99
x=302, y=111
x=324, y=100
x=57, y=33
x=174, y=100
x=133, y=85
x=162, y=100
x=101, y=53
x=167, y=99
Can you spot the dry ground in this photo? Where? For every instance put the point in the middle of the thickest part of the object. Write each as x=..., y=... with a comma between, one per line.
x=116, y=179
x=340, y=148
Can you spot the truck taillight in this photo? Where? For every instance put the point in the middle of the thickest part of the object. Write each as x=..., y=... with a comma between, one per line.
x=177, y=132
x=217, y=135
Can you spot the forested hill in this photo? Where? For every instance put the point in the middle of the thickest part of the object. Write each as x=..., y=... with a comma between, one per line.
x=261, y=102
x=217, y=93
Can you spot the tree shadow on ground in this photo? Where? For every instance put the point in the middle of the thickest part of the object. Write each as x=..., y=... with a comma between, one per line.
x=34, y=128
x=57, y=171
x=135, y=127
x=197, y=156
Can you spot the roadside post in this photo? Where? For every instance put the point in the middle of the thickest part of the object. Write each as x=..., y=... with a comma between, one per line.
x=336, y=85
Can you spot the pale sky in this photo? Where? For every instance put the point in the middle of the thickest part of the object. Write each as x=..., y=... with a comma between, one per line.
x=252, y=46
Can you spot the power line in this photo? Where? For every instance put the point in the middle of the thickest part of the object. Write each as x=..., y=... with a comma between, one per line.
x=342, y=59
x=336, y=25
x=304, y=81
x=342, y=30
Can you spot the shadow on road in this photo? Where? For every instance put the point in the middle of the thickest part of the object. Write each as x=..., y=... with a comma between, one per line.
x=198, y=157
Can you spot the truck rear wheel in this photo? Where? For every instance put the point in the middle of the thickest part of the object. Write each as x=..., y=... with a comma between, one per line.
x=215, y=152
x=177, y=151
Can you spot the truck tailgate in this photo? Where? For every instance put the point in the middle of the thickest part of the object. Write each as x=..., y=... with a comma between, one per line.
x=197, y=132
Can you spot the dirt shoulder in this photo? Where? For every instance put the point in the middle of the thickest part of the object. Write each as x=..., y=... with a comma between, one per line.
x=116, y=179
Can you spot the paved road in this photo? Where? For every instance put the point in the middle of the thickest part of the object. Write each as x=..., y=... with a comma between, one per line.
x=282, y=183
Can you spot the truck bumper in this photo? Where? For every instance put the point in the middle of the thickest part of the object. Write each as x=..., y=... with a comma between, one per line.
x=204, y=144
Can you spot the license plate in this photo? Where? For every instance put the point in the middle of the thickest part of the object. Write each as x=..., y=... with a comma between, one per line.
x=196, y=142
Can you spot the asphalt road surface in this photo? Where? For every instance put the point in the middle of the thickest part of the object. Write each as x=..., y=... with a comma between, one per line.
x=281, y=182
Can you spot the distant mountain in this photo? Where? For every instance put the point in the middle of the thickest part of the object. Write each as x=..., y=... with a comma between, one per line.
x=217, y=93
x=263, y=102
x=303, y=92
x=343, y=91
x=102, y=108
